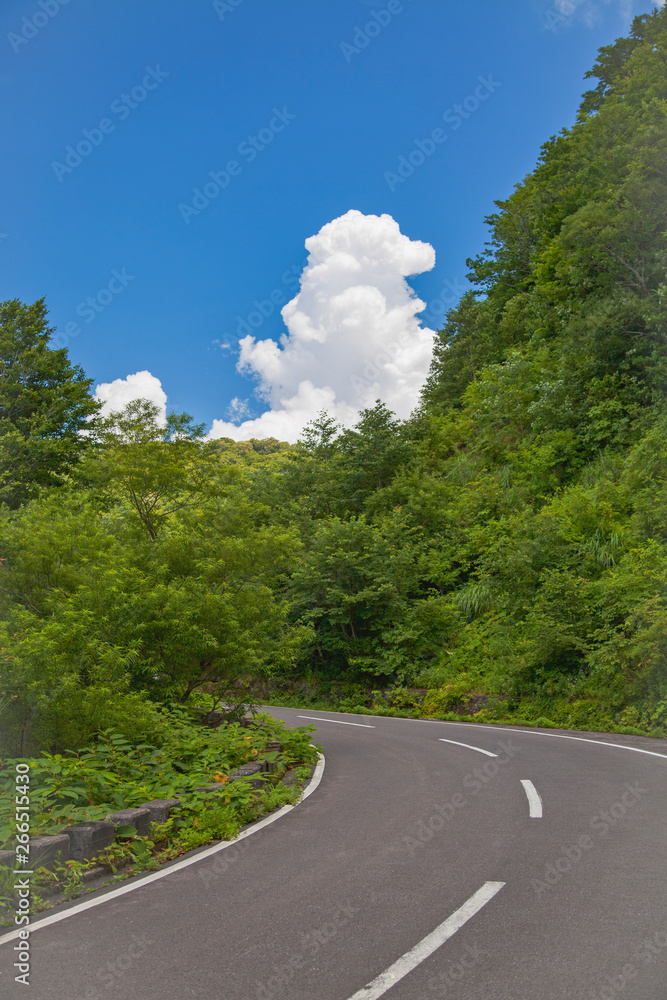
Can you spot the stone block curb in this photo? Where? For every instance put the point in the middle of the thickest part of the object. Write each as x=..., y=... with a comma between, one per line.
x=159, y=809
x=90, y=838
x=248, y=771
x=140, y=819
x=46, y=850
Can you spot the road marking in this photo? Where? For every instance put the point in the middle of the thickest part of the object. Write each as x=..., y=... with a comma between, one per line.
x=429, y=944
x=337, y=721
x=534, y=800
x=55, y=918
x=478, y=749
x=553, y=736
x=507, y=729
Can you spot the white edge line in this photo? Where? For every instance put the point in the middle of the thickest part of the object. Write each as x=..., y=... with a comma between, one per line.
x=123, y=889
x=469, y=747
x=338, y=722
x=502, y=729
x=378, y=986
x=553, y=736
x=534, y=799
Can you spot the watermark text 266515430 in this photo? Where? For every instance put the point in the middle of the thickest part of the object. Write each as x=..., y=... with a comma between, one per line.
x=22, y=868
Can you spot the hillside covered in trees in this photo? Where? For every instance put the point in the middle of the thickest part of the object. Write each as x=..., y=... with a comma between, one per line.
x=504, y=550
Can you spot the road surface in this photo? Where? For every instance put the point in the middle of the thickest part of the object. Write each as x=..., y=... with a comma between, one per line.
x=433, y=860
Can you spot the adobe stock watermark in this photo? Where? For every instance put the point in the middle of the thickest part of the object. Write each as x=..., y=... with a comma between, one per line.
x=561, y=12
x=450, y=293
x=31, y=26
x=249, y=149
x=365, y=379
x=643, y=954
x=364, y=35
x=263, y=309
x=450, y=979
x=599, y=824
x=109, y=975
x=122, y=108
x=222, y=7
x=473, y=783
x=373, y=366
x=454, y=116
x=311, y=943
x=91, y=307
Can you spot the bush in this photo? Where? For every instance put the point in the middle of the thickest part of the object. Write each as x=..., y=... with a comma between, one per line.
x=455, y=695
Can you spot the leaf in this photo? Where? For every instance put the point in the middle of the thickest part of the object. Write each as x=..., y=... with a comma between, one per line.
x=126, y=831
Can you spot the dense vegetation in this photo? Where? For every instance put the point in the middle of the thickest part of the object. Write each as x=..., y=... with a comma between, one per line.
x=506, y=547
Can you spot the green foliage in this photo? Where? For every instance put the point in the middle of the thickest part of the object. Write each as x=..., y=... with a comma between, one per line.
x=508, y=541
x=158, y=576
x=510, y=537
x=44, y=404
x=119, y=773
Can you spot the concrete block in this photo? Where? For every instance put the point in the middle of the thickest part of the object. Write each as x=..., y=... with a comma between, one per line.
x=88, y=839
x=215, y=793
x=45, y=851
x=248, y=771
x=159, y=809
x=140, y=819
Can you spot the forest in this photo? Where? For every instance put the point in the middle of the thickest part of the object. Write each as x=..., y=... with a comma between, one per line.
x=501, y=554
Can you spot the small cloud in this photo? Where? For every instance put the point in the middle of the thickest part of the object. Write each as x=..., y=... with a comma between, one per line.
x=238, y=410
x=142, y=385
x=223, y=345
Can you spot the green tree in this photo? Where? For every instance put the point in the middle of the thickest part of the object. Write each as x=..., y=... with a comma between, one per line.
x=45, y=402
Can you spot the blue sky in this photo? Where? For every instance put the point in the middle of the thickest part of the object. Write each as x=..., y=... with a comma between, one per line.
x=331, y=121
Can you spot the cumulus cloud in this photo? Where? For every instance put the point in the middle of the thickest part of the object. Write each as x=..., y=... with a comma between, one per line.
x=142, y=385
x=353, y=335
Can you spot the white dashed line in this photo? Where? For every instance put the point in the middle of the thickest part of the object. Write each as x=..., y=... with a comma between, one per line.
x=534, y=800
x=468, y=747
x=338, y=722
x=429, y=944
x=550, y=736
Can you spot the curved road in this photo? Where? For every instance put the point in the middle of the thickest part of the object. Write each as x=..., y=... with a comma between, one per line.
x=433, y=860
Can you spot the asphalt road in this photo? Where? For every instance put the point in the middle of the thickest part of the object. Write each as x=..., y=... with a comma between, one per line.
x=415, y=867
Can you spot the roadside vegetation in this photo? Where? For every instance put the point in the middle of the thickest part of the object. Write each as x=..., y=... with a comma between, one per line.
x=501, y=555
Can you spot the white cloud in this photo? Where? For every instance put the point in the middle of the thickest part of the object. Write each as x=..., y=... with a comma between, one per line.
x=142, y=385
x=592, y=12
x=238, y=410
x=353, y=332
